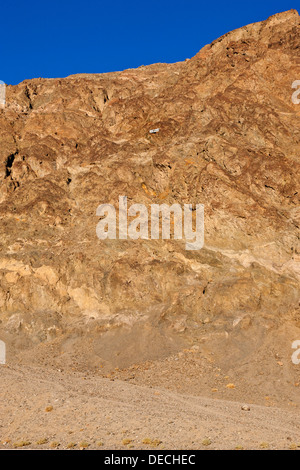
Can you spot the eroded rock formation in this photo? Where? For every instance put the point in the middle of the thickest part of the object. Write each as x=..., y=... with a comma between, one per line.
x=228, y=138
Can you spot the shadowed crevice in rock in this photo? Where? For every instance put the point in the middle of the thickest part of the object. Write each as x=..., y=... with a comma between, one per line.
x=8, y=165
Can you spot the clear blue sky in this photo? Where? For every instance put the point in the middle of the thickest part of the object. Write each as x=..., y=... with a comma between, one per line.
x=41, y=38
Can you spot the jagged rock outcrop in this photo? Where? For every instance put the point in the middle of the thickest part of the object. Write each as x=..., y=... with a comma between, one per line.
x=228, y=138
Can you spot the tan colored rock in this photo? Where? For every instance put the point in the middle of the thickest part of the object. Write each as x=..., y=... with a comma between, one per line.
x=11, y=277
x=47, y=274
x=246, y=408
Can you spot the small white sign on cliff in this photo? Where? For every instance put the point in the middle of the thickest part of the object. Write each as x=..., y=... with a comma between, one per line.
x=2, y=352
x=2, y=94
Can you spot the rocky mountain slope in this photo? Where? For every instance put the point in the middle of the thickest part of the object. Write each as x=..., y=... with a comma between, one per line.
x=229, y=137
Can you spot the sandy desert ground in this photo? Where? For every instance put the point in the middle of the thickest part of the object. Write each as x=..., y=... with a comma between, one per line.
x=181, y=402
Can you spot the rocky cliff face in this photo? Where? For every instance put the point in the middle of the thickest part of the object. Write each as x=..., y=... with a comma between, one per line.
x=229, y=137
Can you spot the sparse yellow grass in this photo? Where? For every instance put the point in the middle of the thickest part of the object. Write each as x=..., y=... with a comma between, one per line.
x=231, y=386
x=22, y=444
x=100, y=444
x=151, y=442
x=71, y=445
x=125, y=442
x=264, y=445
x=42, y=441
x=84, y=445
x=48, y=408
x=54, y=444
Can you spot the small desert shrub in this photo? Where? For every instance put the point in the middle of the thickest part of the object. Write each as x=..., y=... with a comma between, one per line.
x=42, y=441
x=54, y=445
x=151, y=442
x=84, y=445
x=125, y=442
x=206, y=442
x=71, y=445
x=264, y=445
x=22, y=444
